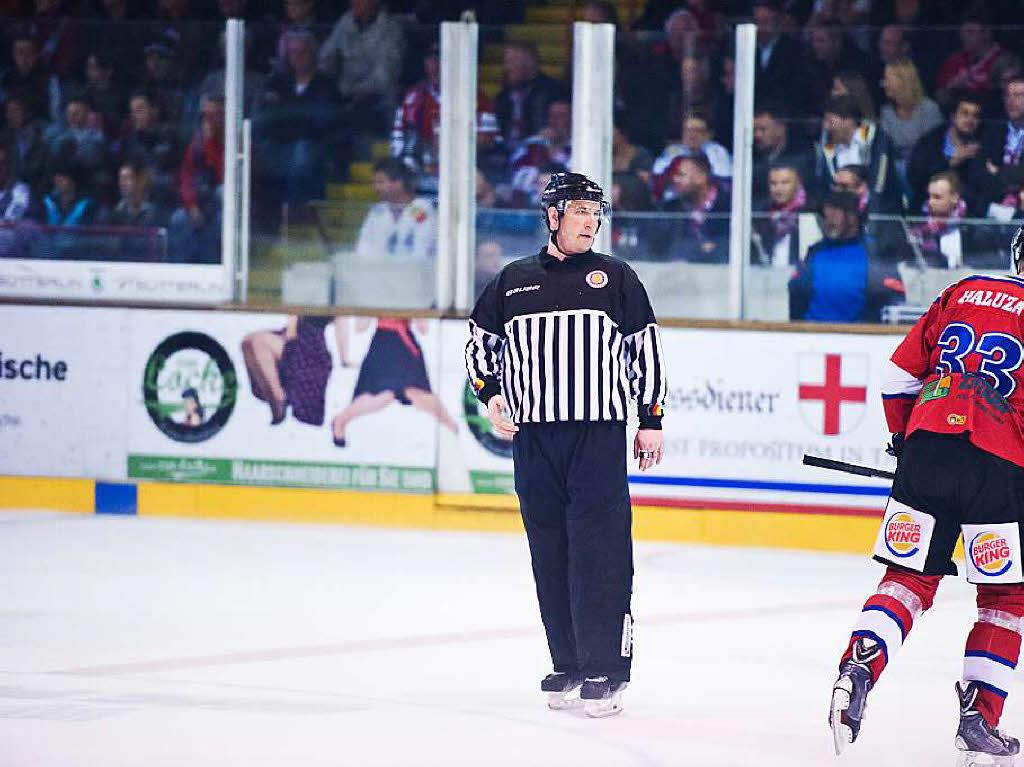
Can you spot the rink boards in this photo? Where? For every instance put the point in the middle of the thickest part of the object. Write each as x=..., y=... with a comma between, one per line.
x=155, y=412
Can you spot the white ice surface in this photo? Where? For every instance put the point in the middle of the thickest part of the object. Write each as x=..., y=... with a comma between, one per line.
x=138, y=641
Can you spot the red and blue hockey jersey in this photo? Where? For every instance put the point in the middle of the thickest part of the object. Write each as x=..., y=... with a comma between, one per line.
x=960, y=370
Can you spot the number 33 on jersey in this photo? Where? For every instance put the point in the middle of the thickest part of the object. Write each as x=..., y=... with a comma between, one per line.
x=960, y=369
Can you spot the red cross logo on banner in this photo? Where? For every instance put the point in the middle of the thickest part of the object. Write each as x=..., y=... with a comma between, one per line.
x=833, y=392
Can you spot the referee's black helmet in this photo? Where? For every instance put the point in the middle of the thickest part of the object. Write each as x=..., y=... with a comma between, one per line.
x=564, y=187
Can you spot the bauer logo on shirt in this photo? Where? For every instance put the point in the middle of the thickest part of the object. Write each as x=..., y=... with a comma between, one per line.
x=990, y=554
x=902, y=535
x=597, y=279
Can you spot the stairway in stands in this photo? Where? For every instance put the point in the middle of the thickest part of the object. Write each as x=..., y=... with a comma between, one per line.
x=547, y=26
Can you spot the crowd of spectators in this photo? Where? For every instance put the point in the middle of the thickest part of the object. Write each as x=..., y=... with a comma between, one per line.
x=915, y=108
x=113, y=110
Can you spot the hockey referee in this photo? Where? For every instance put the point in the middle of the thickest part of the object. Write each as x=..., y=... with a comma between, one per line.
x=560, y=341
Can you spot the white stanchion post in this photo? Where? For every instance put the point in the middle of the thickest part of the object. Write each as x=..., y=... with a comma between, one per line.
x=244, y=212
x=456, y=262
x=593, y=80
x=234, y=69
x=742, y=164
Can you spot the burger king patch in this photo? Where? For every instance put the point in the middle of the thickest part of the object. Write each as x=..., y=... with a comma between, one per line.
x=993, y=553
x=905, y=536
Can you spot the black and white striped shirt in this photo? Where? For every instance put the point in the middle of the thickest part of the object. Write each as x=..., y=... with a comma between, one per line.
x=570, y=340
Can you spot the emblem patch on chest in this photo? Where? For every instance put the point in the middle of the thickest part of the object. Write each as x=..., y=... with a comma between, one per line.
x=597, y=279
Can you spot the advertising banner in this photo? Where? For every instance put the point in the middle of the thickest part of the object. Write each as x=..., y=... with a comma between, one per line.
x=743, y=408
x=284, y=400
x=62, y=391
x=110, y=281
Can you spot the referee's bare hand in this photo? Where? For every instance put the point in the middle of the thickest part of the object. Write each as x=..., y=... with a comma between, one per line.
x=647, y=447
x=503, y=427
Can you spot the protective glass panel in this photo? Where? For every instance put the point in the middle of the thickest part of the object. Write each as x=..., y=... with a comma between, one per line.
x=344, y=194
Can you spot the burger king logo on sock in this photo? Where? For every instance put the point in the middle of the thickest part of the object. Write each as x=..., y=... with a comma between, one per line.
x=990, y=553
x=902, y=535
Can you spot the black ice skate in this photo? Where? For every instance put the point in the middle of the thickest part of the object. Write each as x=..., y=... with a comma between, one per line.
x=981, y=743
x=563, y=690
x=601, y=696
x=850, y=694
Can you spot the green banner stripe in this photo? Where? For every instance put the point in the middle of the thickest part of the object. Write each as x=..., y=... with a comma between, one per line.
x=240, y=471
x=493, y=482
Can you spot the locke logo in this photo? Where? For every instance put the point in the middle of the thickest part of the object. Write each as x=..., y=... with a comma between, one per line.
x=832, y=391
x=189, y=387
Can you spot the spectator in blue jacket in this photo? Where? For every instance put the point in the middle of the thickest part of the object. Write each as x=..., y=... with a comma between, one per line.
x=838, y=281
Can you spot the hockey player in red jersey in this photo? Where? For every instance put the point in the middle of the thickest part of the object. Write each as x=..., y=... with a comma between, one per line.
x=954, y=402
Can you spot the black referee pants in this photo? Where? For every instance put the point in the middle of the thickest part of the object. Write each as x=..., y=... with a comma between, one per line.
x=574, y=496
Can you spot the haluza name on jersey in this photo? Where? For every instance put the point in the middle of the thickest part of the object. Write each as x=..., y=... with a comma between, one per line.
x=994, y=298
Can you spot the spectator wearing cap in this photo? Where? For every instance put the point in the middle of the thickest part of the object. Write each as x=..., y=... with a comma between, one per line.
x=845, y=140
x=193, y=41
x=29, y=79
x=777, y=233
x=940, y=241
x=523, y=101
x=838, y=281
x=400, y=225
x=779, y=61
x=364, y=53
x=298, y=124
x=701, y=233
x=194, y=230
x=956, y=146
x=776, y=145
x=162, y=76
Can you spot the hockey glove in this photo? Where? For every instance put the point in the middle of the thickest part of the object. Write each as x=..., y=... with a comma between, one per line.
x=895, y=446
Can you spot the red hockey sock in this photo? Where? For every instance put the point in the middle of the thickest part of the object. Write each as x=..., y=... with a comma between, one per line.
x=993, y=647
x=888, y=616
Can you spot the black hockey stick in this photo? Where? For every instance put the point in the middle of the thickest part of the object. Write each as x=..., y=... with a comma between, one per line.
x=849, y=468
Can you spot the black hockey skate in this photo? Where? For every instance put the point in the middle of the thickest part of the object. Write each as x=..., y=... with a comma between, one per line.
x=563, y=690
x=979, y=742
x=850, y=694
x=601, y=696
